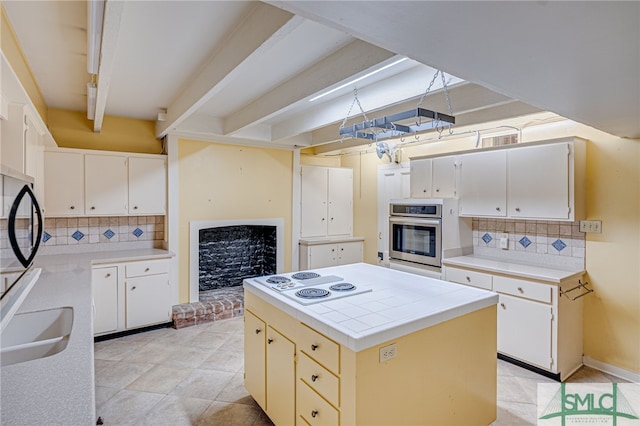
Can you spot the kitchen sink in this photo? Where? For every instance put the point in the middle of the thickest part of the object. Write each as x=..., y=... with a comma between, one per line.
x=34, y=335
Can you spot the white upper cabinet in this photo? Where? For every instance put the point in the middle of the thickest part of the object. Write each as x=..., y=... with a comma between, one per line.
x=538, y=181
x=147, y=180
x=64, y=184
x=421, y=178
x=483, y=184
x=326, y=201
x=105, y=185
x=443, y=177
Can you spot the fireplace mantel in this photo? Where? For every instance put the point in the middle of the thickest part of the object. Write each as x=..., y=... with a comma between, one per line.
x=194, y=230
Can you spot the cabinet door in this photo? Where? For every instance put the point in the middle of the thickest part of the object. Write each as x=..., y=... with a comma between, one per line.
x=12, y=138
x=104, y=282
x=255, y=371
x=525, y=330
x=483, y=184
x=323, y=255
x=148, y=300
x=281, y=378
x=105, y=185
x=313, y=199
x=147, y=186
x=421, y=178
x=444, y=177
x=349, y=252
x=64, y=184
x=340, y=201
x=539, y=181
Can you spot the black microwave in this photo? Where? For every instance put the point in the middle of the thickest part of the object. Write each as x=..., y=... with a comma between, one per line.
x=21, y=227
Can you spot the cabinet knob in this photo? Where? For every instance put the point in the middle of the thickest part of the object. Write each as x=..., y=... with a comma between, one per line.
x=520, y=290
x=437, y=189
x=331, y=218
x=135, y=207
x=107, y=276
x=314, y=413
x=258, y=331
x=314, y=347
x=146, y=270
x=72, y=207
x=424, y=190
x=517, y=209
x=133, y=288
x=269, y=341
x=93, y=208
x=323, y=219
x=497, y=209
x=468, y=279
x=503, y=306
x=314, y=377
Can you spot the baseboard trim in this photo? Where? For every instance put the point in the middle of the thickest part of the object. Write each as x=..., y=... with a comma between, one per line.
x=611, y=369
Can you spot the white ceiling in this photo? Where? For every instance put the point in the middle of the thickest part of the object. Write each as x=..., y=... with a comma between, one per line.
x=243, y=72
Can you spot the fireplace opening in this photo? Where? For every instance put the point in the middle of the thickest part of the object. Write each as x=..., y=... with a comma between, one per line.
x=229, y=254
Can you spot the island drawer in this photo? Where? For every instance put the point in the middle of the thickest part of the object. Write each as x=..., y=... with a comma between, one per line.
x=522, y=288
x=147, y=267
x=319, y=378
x=320, y=348
x=472, y=278
x=314, y=409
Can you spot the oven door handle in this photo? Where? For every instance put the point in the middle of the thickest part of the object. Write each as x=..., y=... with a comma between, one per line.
x=404, y=221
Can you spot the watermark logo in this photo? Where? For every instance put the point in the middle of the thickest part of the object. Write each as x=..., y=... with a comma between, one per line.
x=616, y=404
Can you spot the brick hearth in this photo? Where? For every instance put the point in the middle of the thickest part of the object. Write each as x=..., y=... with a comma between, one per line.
x=213, y=305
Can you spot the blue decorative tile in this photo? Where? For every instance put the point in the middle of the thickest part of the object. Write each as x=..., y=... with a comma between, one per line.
x=559, y=245
x=77, y=235
x=525, y=242
x=137, y=232
x=45, y=237
x=486, y=238
x=109, y=234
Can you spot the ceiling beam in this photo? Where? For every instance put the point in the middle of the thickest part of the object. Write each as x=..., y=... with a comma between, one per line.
x=113, y=12
x=259, y=30
x=355, y=58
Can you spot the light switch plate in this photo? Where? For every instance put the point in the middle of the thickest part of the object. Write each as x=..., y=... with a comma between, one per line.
x=594, y=226
x=504, y=241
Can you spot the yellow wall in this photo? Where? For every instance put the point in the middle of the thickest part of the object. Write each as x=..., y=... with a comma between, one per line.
x=612, y=313
x=222, y=182
x=13, y=52
x=72, y=129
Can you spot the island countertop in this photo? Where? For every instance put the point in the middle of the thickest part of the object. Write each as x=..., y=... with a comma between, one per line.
x=398, y=304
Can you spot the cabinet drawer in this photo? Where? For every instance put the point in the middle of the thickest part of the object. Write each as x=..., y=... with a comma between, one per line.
x=315, y=410
x=319, y=378
x=148, y=267
x=320, y=348
x=463, y=276
x=522, y=288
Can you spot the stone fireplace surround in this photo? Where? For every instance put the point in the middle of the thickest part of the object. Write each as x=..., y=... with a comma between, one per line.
x=227, y=302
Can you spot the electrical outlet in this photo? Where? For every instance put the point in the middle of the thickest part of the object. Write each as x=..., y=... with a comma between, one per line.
x=504, y=241
x=594, y=226
x=388, y=352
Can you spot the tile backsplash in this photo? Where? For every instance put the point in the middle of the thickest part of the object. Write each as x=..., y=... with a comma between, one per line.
x=542, y=242
x=102, y=230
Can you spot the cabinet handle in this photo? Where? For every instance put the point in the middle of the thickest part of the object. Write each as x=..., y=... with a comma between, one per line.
x=314, y=377
x=258, y=331
x=269, y=341
x=314, y=347
x=520, y=290
x=133, y=288
x=468, y=279
x=503, y=306
x=146, y=270
x=72, y=207
x=107, y=276
x=517, y=209
x=314, y=413
x=497, y=209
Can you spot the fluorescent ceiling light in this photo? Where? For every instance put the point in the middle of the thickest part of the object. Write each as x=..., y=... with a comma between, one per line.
x=92, y=92
x=342, y=86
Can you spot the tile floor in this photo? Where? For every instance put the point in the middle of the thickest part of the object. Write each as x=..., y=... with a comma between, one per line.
x=194, y=376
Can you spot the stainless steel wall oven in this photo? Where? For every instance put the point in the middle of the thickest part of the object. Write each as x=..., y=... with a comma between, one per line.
x=415, y=233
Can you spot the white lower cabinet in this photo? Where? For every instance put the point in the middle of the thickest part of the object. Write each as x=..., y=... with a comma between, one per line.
x=319, y=255
x=131, y=295
x=537, y=325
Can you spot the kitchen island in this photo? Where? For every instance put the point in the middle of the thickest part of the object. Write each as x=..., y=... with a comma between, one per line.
x=402, y=349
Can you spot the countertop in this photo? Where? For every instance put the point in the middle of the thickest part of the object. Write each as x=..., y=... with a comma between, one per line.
x=60, y=389
x=542, y=273
x=399, y=304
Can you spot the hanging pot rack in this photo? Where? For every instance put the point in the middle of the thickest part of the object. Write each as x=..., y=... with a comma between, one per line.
x=412, y=121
